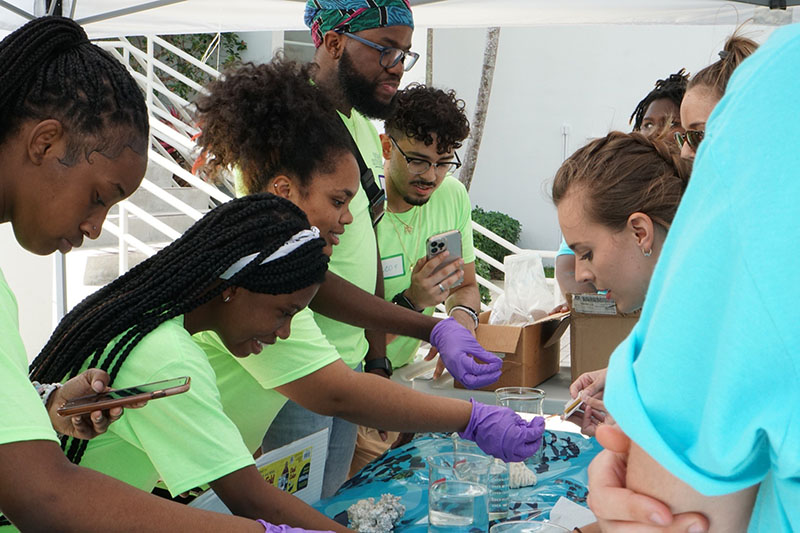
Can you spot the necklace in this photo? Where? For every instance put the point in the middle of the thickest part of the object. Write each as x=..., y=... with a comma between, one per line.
x=408, y=228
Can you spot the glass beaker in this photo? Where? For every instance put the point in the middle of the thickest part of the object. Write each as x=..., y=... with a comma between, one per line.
x=521, y=399
x=527, y=526
x=528, y=402
x=458, y=494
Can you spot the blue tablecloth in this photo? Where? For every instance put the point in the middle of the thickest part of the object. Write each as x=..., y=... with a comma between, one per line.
x=403, y=472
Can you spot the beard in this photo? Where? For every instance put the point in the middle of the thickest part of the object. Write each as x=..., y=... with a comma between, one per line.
x=360, y=92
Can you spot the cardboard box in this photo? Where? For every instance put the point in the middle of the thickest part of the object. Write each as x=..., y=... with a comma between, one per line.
x=530, y=353
x=596, y=329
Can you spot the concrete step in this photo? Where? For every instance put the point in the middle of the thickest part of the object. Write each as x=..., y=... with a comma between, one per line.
x=103, y=268
x=154, y=205
x=159, y=175
x=142, y=230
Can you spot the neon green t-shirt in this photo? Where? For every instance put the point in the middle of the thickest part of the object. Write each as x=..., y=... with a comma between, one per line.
x=355, y=258
x=186, y=440
x=22, y=416
x=447, y=209
x=247, y=384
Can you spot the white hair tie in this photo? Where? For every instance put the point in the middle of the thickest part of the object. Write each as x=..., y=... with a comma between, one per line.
x=296, y=241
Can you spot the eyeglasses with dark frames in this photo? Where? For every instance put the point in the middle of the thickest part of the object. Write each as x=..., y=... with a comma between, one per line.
x=420, y=166
x=693, y=137
x=390, y=56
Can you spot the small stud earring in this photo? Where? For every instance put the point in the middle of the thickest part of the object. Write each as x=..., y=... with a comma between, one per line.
x=648, y=253
x=275, y=185
x=226, y=299
x=94, y=228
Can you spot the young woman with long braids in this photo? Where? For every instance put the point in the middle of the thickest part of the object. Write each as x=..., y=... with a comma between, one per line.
x=282, y=110
x=73, y=139
x=243, y=271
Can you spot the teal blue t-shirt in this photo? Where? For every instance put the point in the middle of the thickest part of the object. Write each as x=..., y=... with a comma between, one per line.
x=707, y=382
x=564, y=249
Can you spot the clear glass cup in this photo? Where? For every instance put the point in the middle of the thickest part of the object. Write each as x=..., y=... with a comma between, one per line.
x=527, y=526
x=521, y=399
x=458, y=494
x=527, y=401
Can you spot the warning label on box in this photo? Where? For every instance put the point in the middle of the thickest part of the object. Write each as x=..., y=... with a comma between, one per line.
x=593, y=304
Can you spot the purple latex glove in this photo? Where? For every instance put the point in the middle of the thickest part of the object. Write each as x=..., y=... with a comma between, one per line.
x=501, y=432
x=286, y=529
x=456, y=347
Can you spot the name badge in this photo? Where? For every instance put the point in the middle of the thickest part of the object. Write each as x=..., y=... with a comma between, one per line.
x=393, y=266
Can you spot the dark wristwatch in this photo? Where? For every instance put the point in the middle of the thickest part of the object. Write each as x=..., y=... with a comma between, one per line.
x=380, y=363
x=401, y=300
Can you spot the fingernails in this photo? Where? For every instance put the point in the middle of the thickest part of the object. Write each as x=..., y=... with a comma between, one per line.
x=657, y=519
x=98, y=386
x=98, y=419
x=697, y=528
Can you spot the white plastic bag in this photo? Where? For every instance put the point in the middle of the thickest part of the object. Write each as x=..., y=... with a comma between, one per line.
x=527, y=298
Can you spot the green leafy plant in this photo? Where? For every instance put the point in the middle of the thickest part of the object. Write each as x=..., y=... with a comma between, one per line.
x=195, y=44
x=501, y=224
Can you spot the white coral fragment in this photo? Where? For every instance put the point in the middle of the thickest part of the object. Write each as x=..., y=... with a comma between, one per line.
x=519, y=475
x=367, y=516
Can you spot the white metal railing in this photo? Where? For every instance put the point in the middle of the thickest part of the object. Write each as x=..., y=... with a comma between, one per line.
x=173, y=125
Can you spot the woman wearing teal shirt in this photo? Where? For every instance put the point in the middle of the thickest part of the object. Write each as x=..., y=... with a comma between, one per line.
x=71, y=146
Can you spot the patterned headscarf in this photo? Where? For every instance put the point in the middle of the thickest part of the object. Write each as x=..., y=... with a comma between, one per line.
x=355, y=15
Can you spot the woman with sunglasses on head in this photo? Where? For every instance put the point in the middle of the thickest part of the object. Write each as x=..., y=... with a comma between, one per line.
x=238, y=131
x=242, y=271
x=705, y=89
x=73, y=142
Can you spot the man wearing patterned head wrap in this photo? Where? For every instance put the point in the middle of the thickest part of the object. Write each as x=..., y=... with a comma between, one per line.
x=355, y=15
x=362, y=52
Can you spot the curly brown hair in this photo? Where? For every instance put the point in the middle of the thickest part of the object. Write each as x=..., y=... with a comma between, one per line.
x=422, y=111
x=625, y=173
x=267, y=120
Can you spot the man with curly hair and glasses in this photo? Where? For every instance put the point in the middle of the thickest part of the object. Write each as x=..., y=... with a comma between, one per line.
x=423, y=200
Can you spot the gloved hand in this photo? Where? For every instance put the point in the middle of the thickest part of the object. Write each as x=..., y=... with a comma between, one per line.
x=501, y=432
x=286, y=529
x=456, y=347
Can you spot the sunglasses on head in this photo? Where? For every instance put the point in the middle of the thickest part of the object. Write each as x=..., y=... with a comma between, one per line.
x=693, y=137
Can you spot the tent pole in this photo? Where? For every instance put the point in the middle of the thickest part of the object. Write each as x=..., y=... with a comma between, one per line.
x=17, y=11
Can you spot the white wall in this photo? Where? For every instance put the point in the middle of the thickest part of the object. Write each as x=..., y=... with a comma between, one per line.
x=31, y=279
x=587, y=77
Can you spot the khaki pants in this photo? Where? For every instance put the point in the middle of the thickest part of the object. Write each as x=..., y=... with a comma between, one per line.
x=369, y=447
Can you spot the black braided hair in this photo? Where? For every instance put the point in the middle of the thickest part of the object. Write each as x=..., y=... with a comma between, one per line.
x=270, y=119
x=50, y=70
x=422, y=111
x=178, y=279
x=672, y=88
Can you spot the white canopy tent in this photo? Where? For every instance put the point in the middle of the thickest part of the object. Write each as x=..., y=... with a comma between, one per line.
x=105, y=18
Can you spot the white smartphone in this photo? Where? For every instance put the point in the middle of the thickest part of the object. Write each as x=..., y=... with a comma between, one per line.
x=448, y=241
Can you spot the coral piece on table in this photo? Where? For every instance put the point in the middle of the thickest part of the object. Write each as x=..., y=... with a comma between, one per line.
x=369, y=516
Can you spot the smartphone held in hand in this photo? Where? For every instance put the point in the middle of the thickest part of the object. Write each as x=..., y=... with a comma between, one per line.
x=124, y=397
x=448, y=241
